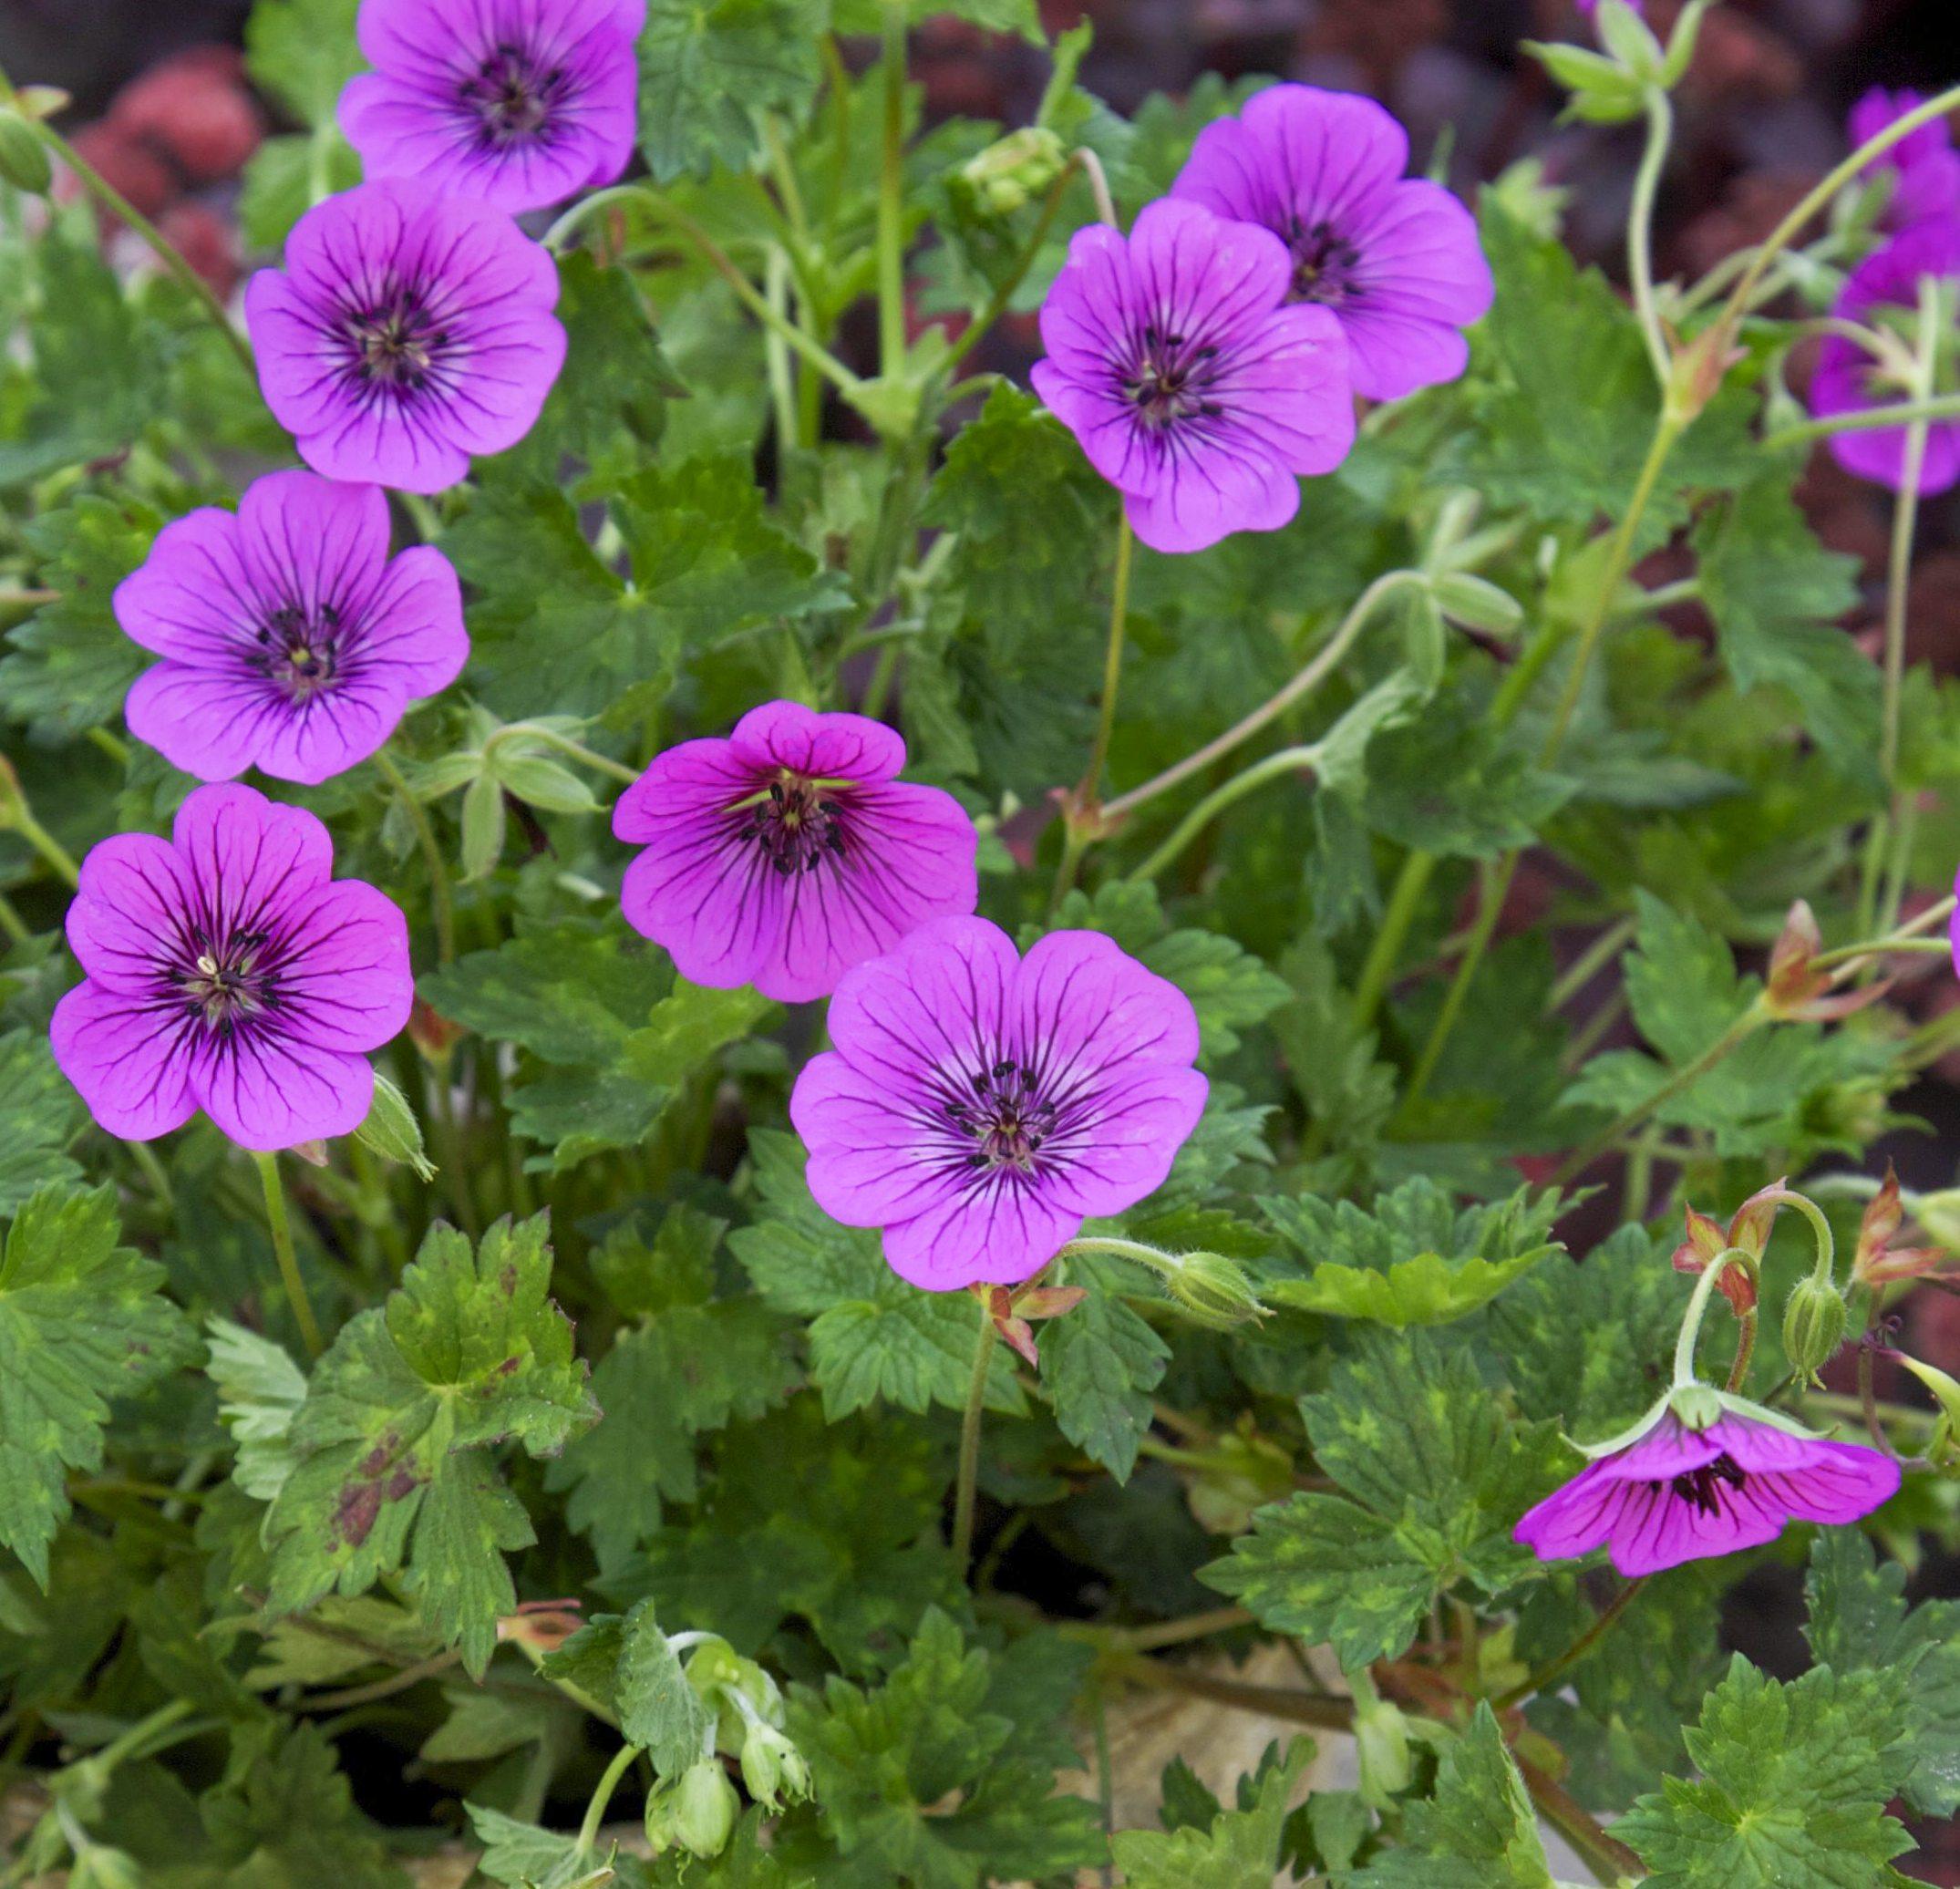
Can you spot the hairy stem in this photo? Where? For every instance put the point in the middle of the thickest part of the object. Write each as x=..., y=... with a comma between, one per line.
x=1405, y=899
x=1563, y=1663
x=425, y=836
x=1640, y=229
x=622, y=1763
x=281, y=1226
x=968, y=1476
x=1288, y=760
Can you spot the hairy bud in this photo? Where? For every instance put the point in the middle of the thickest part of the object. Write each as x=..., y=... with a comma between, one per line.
x=1813, y=1326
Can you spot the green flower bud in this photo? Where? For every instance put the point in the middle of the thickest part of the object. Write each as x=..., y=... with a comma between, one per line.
x=1214, y=1291
x=773, y=1767
x=1002, y=177
x=1813, y=1326
x=392, y=1131
x=696, y=1815
x=22, y=157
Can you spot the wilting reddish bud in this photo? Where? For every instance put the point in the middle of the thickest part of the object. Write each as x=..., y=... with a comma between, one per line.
x=1798, y=990
x=1878, y=1260
x=433, y=1033
x=545, y=1625
x=1011, y=1309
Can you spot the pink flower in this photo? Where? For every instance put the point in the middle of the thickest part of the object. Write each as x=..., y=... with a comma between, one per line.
x=1395, y=258
x=979, y=1105
x=1190, y=385
x=788, y=852
x=1924, y=166
x=290, y=641
x=516, y=103
x=228, y=971
x=408, y=330
x=1682, y=1490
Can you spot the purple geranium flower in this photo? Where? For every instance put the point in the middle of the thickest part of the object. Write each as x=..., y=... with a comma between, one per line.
x=1848, y=379
x=1194, y=391
x=516, y=103
x=788, y=852
x=1395, y=258
x=979, y=1105
x=227, y=971
x=291, y=641
x=1689, y=1491
x=1924, y=166
x=407, y=331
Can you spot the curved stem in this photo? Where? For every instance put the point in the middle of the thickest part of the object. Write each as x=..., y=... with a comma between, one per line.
x=564, y=744
x=1867, y=419
x=1112, y=664
x=602, y=1796
x=60, y=862
x=967, y=1482
x=1003, y=296
x=892, y=199
x=281, y=1226
x=425, y=834
x=1697, y=1307
x=160, y=246
x=1640, y=229
x=12, y=923
x=1558, y=1666
x=1288, y=760
x=1403, y=902
x=1309, y=678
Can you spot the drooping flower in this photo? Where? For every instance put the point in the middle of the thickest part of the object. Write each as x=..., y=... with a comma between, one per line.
x=1882, y=291
x=1395, y=258
x=291, y=641
x=407, y=331
x=1193, y=390
x=1923, y=167
x=516, y=103
x=787, y=853
x=978, y=1106
x=1705, y=1474
x=228, y=971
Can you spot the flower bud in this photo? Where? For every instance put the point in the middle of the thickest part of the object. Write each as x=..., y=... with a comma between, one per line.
x=998, y=180
x=1214, y=1291
x=392, y=1131
x=697, y=1814
x=1942, y=1448
x=1813, y=1326
x=773, y=1767
x=22, y=157
x=1939, y=1215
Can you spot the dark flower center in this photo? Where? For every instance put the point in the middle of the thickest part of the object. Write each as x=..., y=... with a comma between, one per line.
x=396, y=342
x=1169, y=379
x=228, y=981
x=796, y=824
x=302, y=655
x=1324, y=262
x=512, y=97
x=1007, y=1117
x=1698, y=1486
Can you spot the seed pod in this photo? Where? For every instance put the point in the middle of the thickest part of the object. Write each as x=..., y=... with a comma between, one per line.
x=1813, y=1326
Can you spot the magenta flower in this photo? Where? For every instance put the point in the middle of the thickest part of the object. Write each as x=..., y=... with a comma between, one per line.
x=1395, y=258
x=1690, y=1492
x=227, y=971
x=1885, y=286
x=290, y=641
x=407, y=331
x=516, y=103
x=1924, y=166
x=979, y=1105
x=790, y=851
x=1194, y=391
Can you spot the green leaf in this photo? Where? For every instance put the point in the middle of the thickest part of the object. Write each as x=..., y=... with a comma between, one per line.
x=39, y=1112
x=526, y=1857
x=1239, y=1850
x=1478, y=1831
x=1777, y=597
x=709, y=69
x=390, y=1476
x=483, y=1725
x=657, y=1707
x=81, y=1323
x=1433, y=1478
x=1792, y=1789
x=278, y=183
x=874, y=1337
x=69, y=664
x=1860, y=1623
x=260, y=1392
x=302, y=52
x=1020, y=17
x=1101, y=1361
x=1413, y=1259
x=1449, y=785
x=920, y=1782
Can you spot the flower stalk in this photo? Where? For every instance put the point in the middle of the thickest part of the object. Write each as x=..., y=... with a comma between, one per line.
x=280, y=1224
x=966, y=1481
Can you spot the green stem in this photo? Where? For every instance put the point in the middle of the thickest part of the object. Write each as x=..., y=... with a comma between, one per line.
x=1490, y=909
x=968, y=1479
x=425, y=835
x=160, y=246
x=1309, y=678
x=892, y=199
x=1697, y=1307
x=564, y=744
x=1640, y=229
x=12, y=923
x=782, y=394
x=1739, y=1370
x=1556, y=1668
x=622, y=1761
x=1589, y=964
x=1405, y=899
x=1003, y=296
x=58, y=857
x=1088, y=793
x=455, y=1156
x=1288, y=760
x=281, y=1226
x=1866, y=420
x=145, y=1157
